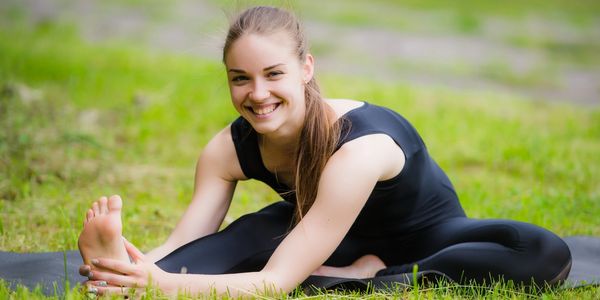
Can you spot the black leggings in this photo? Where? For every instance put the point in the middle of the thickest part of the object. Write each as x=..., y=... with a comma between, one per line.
x=464, y=249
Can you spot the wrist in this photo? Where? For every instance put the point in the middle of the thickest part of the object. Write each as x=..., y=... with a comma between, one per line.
x=158, y=253
x=168, y=283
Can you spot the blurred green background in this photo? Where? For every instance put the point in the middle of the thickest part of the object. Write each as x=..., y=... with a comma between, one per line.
x=119, y=97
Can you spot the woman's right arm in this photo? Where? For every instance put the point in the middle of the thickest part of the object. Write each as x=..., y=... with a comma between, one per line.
x=217, y=173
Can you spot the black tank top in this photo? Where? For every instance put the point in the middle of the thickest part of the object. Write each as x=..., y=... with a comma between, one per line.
x=419, y=196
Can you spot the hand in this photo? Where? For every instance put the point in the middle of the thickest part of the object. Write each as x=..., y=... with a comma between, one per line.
x=86, y=270
x=112, y=276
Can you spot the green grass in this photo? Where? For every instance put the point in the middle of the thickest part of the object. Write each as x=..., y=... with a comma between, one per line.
x=81, y=120
x=560, y=31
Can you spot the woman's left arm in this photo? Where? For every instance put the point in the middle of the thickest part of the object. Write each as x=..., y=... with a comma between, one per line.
x=344, y=187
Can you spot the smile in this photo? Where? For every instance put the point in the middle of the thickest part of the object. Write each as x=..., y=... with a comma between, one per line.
x=263, y=110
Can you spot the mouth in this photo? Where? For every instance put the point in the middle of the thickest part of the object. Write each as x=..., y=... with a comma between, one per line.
x=263, y=111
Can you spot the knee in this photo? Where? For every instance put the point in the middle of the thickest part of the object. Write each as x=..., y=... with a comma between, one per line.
x=553, y=258
x=265, y=223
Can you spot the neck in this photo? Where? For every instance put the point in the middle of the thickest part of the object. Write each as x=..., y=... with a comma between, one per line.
x=283, y=143
x=285, y=139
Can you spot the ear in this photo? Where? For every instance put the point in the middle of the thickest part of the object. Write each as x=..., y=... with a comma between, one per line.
x=308, y=68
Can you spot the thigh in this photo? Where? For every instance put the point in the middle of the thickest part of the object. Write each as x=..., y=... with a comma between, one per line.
x=519, y=236
x=409, y=247
x=477, y=249
x=245, y=245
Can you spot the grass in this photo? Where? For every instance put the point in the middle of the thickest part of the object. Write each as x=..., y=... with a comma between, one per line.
x=81, y=120
x=559, y=31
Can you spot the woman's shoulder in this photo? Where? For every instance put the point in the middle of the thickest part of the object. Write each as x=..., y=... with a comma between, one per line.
x=343, y=106
x=220, y=154
x=363, y=119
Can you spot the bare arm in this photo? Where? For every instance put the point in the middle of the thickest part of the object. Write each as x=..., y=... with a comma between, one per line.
x=346, y=182
x=217, y=172
x=345, y=185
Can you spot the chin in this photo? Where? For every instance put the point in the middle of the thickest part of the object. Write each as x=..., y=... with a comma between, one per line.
x=264, y=128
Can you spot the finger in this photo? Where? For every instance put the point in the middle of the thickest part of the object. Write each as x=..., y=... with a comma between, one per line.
x=135, y=254
x=113, y=279
x=85, y=270
x=115, y=290
x=102, y=288
x=96, y=283
x=114, y=265
x=91, y=291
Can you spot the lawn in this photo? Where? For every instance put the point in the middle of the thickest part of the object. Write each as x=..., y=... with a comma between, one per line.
x=82, y=119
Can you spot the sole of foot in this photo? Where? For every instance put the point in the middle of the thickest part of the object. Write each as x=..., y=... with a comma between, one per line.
x=102, y=231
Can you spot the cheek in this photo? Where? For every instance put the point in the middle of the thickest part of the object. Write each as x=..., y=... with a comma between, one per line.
x=237, y=95
x=300, y=93
x=293, y=90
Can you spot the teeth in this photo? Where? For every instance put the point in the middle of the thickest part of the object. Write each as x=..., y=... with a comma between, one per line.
x=264, y=110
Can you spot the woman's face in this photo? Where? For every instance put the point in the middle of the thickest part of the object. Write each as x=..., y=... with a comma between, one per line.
x=266, y=82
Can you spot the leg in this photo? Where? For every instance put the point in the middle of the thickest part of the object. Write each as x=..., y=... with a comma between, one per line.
x=245, y=245
x=365, y=267
x=468, y=249
x=102, y=229
x=248, y=243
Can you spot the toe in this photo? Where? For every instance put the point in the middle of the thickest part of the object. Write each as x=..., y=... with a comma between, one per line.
x=89, y=215
x=103, y=204
x=115, y=203
x=96, y=208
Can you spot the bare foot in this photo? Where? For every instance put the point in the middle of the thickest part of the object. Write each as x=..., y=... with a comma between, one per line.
x=102, y=231
x=364, y=267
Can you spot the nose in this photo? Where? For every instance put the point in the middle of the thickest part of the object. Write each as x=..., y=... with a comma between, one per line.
x=260, y=91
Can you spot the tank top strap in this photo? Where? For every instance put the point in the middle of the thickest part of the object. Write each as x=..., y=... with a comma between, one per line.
x=373, y=119
x=246, y=147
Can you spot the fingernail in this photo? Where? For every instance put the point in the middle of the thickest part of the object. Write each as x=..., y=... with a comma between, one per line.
x=94, y=261
x=102, y=283
x=93, y=290
x=90, y=275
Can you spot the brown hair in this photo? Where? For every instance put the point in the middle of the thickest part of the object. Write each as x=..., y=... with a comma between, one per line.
x=320, y=135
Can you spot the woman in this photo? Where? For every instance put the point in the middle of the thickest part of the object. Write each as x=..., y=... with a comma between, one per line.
x=361, y=192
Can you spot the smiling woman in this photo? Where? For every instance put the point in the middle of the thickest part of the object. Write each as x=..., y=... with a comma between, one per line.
x=267, y=95
x=360, y=191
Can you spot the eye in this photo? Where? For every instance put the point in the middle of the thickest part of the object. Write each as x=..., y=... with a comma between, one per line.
x=239, y=79
x=274, y=74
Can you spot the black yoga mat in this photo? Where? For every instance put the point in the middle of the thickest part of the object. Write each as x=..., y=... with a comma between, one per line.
x=52, y=271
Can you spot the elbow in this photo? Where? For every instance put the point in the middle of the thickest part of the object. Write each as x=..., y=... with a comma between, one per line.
x=277, y=283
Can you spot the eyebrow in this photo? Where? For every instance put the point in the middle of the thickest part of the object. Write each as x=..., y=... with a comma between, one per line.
x=265, y=69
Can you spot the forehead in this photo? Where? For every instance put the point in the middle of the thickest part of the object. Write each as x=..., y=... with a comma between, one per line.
x=257, y=51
